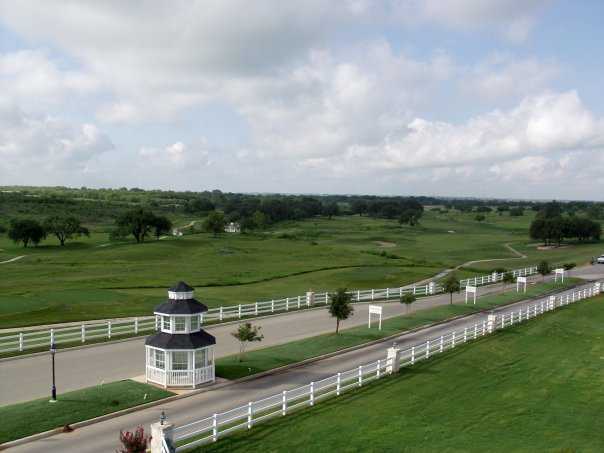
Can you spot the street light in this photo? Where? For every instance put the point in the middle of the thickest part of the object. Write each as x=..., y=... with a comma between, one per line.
x=53, y=350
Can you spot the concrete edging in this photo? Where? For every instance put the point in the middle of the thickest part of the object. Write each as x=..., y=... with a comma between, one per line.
x=278, y=370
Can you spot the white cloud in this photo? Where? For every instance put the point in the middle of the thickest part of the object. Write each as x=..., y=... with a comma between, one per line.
x=175, y=156
x=42, y=146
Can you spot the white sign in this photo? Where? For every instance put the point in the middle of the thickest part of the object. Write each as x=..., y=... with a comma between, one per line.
x=520, y=280
x=560, y=272
x=471, y=289
x=375, y=310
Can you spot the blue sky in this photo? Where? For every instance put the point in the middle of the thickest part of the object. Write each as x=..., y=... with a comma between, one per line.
x=495, y=98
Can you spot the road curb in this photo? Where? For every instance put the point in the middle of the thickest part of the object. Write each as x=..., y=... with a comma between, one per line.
x=262, y=374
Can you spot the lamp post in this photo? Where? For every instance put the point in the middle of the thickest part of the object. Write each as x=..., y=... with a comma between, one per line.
x=53, y=350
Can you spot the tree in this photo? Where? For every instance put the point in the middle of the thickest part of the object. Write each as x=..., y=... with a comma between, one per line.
x=410, y=217
x=26, y=231
x=479, y=217
x=408, y=299
x=330, y=210
x=161, y=225
x=214, y=223
x=2, y=229
x=507, y=278
x=137, y=222
x=517, y=212
x=246, y=333
x=259, y=220
x=340, y=306
x=543, y=268
x=65, y=227
x=451, y=285
x=134, y=442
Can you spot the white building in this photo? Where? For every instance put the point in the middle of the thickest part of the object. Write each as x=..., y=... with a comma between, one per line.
x=180, y=354
x=232, y=227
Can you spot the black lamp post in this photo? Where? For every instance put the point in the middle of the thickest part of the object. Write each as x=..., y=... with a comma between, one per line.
x=53, y=349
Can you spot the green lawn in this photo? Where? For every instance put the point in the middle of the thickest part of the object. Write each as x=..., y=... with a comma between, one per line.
x=275, y=356
x=24, y=419
x=538, y=386
x=91, y=278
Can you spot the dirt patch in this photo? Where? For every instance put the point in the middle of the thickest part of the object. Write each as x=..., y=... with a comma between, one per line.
x=551, y=247
x=386, y=245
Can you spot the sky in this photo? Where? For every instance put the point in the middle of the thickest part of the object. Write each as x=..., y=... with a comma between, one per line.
x=482, y=98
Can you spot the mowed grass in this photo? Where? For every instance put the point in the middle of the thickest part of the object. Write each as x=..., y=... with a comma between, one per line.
x=24, y=419
x=538, y=386
x=91, y=278
x=272, y=357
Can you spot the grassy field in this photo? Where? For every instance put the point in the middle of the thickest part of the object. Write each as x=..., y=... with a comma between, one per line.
x=91, y=278
x=296, y=351
x=535, y=387
x=24, y=419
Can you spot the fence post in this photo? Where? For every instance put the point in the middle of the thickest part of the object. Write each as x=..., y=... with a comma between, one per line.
x=491, y=320
x=503, y=320
x=135, y=326
x=52, y=336
x=161, y=433
x=284, y=403
x=249, y=415
x=287, y=304
x=442, y=343
x=358, y=295
x=360, y=375
x=453, y=340
x=412, y=355
x=372, y=294
x=377, y=371
x=298, y=301
x=221, y=314
x=255, y=310
x=414, y=290
x=310, y=298
x=326, y=296
x=338, y=381
x=273, y=306
x=214, y=427
x=83, y=333
x=393, y=360
x=475, y=330
x=109, y=329
x=240, y=309
x=483, y=328
x=20, y=341
x=465, y=334
x=312, y=394
x=387, y=293
x=427, y=349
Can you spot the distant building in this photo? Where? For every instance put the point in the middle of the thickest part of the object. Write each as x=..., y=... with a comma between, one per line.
x=232, y=227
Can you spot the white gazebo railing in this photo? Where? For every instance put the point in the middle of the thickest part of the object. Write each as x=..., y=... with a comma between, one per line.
x=180, y=378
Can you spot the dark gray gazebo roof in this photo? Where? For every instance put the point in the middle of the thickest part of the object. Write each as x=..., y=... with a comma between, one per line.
x=194, y=340
x=181, y=287
x=181, y=307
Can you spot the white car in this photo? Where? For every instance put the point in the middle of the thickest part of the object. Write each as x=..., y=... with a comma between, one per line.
x=600, y=259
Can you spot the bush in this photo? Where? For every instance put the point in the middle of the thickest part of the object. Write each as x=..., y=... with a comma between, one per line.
x=569, y=266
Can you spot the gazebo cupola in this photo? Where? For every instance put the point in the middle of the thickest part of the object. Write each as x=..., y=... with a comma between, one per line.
x=181, y=353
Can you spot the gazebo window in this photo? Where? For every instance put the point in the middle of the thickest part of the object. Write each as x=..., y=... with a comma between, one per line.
x=157, y=358
x=194, y=323
x=180, y=360
x=200, y=358
x=180, y=323
x=166, y=322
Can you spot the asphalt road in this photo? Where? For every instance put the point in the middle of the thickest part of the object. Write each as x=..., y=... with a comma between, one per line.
x=27, y=378
x=103, y=437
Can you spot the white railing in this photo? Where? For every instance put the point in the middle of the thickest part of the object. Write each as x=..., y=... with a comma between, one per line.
x=183, y=378
x=495, y=277
x=210, y=429
x=106, y=330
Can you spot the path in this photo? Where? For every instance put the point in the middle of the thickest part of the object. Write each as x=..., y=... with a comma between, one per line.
x=102, y=437
x=26, y=378
x=12, y=260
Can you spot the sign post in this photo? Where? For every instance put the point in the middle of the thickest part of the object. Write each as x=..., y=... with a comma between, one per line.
x=520, y=280
x=472, y=290
x=560, y=272
x=375, y=310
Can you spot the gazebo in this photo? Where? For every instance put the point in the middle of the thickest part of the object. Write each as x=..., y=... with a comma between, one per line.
x=180, y=354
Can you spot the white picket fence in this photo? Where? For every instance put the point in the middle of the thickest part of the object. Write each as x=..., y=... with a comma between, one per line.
x=106, y=330
x=210, y=429
x=495, y=277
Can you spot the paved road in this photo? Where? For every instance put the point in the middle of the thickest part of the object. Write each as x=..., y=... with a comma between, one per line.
x=102, y=437
x=28, y=378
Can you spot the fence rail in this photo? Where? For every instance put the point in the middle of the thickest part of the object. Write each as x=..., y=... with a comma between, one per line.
x=106, y=330
x=495, y=277
x=210, y=429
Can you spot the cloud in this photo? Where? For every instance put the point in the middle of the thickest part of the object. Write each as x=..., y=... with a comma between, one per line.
x=175, y=156
x=44, y=148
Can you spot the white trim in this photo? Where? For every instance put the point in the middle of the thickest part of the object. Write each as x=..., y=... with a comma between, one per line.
x=173, y=295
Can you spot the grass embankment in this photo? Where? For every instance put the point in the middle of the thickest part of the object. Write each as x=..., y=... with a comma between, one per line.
x=24, y=419
x=535, y=387
x=276, y=356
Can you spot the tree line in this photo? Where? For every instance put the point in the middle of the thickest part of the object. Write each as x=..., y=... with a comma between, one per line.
x=552, y=226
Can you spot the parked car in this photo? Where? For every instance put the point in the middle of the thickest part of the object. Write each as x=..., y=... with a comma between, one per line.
x=600, y=259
